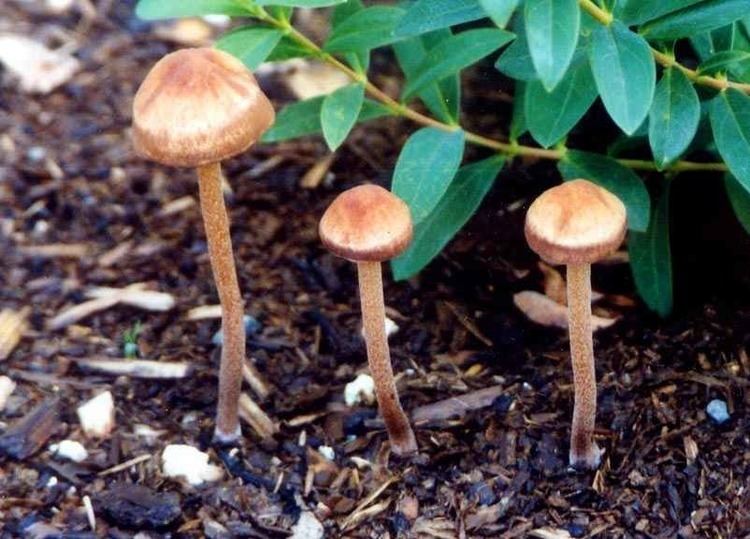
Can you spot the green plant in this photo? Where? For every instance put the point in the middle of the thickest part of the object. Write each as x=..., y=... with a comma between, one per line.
x=130, y=340
x=563, y=55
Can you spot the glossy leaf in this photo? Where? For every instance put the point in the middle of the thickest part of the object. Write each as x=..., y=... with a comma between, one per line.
x=625, y=74
x=300, y=3
x=614, y=177
x=365, y=30
x=303, y=118
x=518, y=121
x=651, y=259
x=359, y=60
x=739, y=197
x=674, y=117
x=455, y=53
x=551, y=115
x=552, y=34
x=734, y=62
x=427, y=15
x=515, y=61
x=161, y=9
x=252, y=45
x=633, y=12
x=339, y=113
x=427, y=164
x=457, y=205
x=696, y=19
x=287, y=49
x=441, y=98
x=499, y=11
x=730, y=122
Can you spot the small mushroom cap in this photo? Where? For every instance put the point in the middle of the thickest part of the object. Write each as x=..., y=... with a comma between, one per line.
x=198, y=106
x=576, y=222
x=366, y=224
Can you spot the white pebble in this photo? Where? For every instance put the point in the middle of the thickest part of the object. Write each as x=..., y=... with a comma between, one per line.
x=52, y=482
x=70, y=449
x=97, y=416
x=360, y=390
x=391, y=328
x=327, y=452
x=6, y=389
x=307, y=527
x=189, y=463
x=717, y=410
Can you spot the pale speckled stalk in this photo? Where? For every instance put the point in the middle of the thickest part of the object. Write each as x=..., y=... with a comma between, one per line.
x=583, y=450
x=216, y=223
x=400, y=432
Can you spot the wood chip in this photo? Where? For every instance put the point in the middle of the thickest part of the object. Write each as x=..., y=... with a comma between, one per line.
x=256, y=417
x=317, y=173
x=204, y=312
x=456, y=406
x=177, y=206
x=12, y=326
x=55, y=250
x=137, y=368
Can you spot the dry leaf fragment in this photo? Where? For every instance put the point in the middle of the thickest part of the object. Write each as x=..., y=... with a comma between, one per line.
x=542, y=310
x=37, y=68
x=311, y=79
x=12, y=326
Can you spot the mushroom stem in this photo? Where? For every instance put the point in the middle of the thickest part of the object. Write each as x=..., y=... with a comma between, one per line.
x=400, y=433
x=583, y=450
x=216, y=223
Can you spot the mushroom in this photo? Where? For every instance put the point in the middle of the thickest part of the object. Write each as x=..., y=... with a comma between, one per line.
x=369, y=225
x=576, y=224
x=194, y=108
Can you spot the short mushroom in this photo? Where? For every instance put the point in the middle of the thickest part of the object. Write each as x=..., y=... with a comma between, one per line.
x=195, y=108
x=576, y=224
x=369, y=225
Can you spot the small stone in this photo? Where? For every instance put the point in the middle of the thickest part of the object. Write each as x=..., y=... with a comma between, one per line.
x=69, y=449
x=189, y=463
x=327, y=452
x=138, y=507
x=97, y=416
x=6, y=389
x=252, y=326
x=391, y=328
x=717, y=411
x=307, y=527
x=360, y=390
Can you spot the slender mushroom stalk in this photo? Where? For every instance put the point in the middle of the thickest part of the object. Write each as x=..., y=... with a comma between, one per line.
x=195, y=108
x=576, y=224
x=369, y=225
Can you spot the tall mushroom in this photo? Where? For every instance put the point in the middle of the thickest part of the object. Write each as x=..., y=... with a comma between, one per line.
x=369, y=225
x=576, y=224
x=195, y=108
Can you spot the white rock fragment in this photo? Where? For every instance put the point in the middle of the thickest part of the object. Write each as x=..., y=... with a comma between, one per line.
x=307, y=527
x=6, y=389
x=52, y=482
x=37, y=68
x=360, y=390
x=69, y=449
x=97, y=416
x=327, y=452
x=189, y=463
x=391, y=328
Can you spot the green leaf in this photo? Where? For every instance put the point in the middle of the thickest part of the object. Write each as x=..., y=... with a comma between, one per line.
x=614, y=177
x=457, y=205
x=281, y=12
x=499, y=11
x=454, y=54
x=299, y=3
x=552, y=33
x=625, y=74
x=551, y=115
x=518, y=121
x=441, y=98
x=288, y=49
x=734, y=62
x=633, y=12
x=303, y=118
x=730, y=122
x=367, y=29
x=427, y=164
x=426, y=15
x=674, y=117
x=515, y=61
x=162, y=9
x=651, y=259
x=696, y=19
x=252, y=45
x=739, y=197
x=339, y=113
x=359, y=60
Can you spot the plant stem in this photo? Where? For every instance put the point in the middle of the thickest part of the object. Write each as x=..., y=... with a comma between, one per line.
x=665, y=59
x=507, y=148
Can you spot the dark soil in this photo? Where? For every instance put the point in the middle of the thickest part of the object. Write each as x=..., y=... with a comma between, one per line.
x=499, y=471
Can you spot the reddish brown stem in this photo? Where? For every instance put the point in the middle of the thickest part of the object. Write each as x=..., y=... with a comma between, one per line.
x=400, y=433
x=583, y=450
x=216, y=223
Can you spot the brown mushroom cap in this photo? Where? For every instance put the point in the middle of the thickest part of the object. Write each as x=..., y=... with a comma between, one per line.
x=366, y=224
x=577, y=222
x=198, y=106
